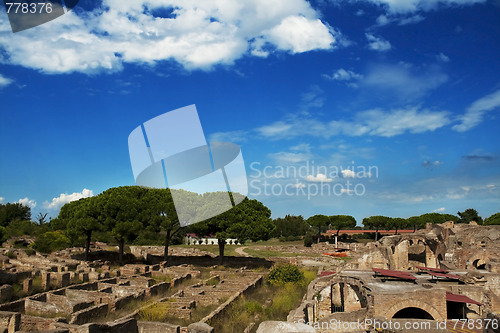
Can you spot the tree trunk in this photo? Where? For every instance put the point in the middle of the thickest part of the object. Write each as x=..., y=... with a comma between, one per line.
x=338, y=231
x=167, y=243
x=222, y=243
x=87, y=245
x=396, y=231
x=121, y=246
x=376, y=234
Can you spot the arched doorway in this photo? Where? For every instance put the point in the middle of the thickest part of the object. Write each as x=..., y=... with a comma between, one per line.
x=412, y=313
x=479, y=264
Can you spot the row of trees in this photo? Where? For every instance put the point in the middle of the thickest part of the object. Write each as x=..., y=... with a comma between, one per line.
x=135, y=214
x=124, y=212
x=298, y=226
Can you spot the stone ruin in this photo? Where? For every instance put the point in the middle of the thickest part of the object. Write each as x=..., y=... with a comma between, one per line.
x=356, y=293
x=98, y=297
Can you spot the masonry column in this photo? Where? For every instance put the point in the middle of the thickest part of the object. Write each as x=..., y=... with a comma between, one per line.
x=45, y=280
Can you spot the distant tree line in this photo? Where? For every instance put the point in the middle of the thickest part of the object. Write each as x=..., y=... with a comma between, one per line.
x=143, y=216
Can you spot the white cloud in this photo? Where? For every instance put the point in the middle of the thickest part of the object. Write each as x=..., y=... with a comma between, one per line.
x=298, y=34
x=276, y=129
x=431, y=164
x=64, y=198
x=382, y=20
x=375, y=122
x=231, y=136
x=4, y=81
x=403, y=80
x=411, y=20
x=439, y=210
x=477, y=110
x=319, y=178
x=443, y=57
x=2, y=199
x=288, y=157
x=344, y=75
x=347, y=173
x=404, y=7
x=299, y=185
x=198, y=35
x=27, y=202
x=377, y=43
x=305, y=147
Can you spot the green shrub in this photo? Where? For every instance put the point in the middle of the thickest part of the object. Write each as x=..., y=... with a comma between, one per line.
x=308, y=240
x=253, y=307
x=51, y=241
x=282, y=274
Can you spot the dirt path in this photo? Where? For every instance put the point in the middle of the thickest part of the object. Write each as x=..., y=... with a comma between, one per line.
x=241, y=251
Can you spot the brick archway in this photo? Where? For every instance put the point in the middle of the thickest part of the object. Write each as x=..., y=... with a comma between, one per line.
x=414, y=304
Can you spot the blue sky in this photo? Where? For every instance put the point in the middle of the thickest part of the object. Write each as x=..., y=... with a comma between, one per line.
x=395, y=103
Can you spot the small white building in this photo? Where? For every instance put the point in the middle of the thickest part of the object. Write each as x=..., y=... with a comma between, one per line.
x=193, y=239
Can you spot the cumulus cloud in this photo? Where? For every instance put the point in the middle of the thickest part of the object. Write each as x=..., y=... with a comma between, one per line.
x=198, y=35
x=4, y=81
x=2, y=199
x=477, y=110
x=299, y=185
x=319, y=178
x=64, y=198
x=298, y=34
x=377, y=43
x=344, y=75
x=439, y=210
x=27, y=202
x=347, y=173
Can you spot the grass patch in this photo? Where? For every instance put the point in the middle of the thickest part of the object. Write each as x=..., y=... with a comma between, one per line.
x=161, y=312
x=269, y=253
x=161, y=278
x=266, y=302
x=18, y=288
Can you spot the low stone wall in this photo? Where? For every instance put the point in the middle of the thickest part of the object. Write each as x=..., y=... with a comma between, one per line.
x=159, y=288
x=86, y=315
x=155, y=327
x=352, y=316
x=33, y=307
x=128, y=325
x=35, y=324
x=222, y=308
x=9, y=321
x=16, y=306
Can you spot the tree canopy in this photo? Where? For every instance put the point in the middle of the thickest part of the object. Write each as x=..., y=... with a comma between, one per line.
x=249, y=220
x=470, y=215
x=290, y=226
x=342, y=222
x=493, y=219
x=376, y=222
x=319, y=221
x=11, y=212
